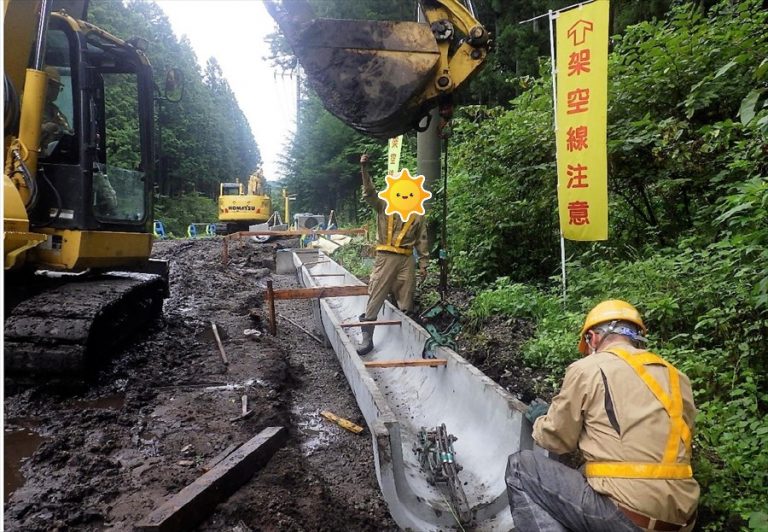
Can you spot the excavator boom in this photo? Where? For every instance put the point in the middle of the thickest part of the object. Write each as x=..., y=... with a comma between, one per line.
x=382, y=77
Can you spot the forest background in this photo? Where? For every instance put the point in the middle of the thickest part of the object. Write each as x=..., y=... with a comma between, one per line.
x=688, y=192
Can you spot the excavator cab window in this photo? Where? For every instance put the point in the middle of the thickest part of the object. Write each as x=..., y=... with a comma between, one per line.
x=118, y=187
x=57, y=136
x=231, y=189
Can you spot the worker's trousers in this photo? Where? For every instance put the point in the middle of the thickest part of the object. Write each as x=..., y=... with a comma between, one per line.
x=547, y=496
x=394, y=273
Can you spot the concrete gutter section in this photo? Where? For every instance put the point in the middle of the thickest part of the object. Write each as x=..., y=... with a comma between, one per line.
x=397, y=402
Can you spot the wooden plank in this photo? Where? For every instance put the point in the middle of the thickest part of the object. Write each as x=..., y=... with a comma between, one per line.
x=326, y=274
x=340, y=421
x=271, y=304
x=300, y=232
x=218, y=342
x=312, y=263
x=318, y=292
x=219, y=457
x=377, y=322
x=194, y=503
x=411, y=362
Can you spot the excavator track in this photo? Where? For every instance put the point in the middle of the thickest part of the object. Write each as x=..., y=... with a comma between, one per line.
x=70, y=329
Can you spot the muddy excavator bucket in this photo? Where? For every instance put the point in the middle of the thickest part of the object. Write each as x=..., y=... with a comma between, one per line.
x=373, y=75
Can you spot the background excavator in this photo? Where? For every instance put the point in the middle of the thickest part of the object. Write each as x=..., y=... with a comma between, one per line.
x=383, y=77
x=241, y=206
x=77, y=205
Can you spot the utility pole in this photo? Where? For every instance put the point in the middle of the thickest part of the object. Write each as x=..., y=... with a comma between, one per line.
x=428, y=158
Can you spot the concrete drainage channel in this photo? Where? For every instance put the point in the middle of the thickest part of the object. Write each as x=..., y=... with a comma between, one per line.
x=411, y=411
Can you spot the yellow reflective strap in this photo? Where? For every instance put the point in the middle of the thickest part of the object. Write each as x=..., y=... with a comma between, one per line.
x=648, y=379
x=393, y=249
x=648, y=358
x=404, y=230
x=678, y=429
x=638, y=470
x=390, y=228
x=675, y=419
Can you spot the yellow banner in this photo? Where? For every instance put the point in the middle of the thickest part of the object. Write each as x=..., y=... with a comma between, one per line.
x=582, y=102
x=393, y=158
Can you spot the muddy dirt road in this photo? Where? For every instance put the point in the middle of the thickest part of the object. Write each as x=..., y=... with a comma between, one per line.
x=103, y=456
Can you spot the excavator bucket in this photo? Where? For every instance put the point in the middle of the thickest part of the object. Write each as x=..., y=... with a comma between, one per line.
x=372, y=75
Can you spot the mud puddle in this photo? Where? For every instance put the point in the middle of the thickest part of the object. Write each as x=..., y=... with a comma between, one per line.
x=109, y=402
x=21, y=440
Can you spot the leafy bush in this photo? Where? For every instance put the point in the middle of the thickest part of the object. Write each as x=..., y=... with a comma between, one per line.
x=705, y=317
x=356, y=257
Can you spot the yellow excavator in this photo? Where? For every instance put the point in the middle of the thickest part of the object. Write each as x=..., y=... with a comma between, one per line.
x=383, y=77
x=242, y=206
x=77, y=202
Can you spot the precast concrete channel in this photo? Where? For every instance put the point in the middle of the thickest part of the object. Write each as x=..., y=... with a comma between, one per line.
x=398, y=402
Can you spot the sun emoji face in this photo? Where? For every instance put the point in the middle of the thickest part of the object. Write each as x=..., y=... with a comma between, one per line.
x=405, y=195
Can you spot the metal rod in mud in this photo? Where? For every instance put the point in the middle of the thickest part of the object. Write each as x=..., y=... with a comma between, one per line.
x=271, y=303
x=218, y=342
x=318, y=340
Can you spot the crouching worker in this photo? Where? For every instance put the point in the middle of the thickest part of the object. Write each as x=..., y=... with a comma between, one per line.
x=394, y=269
x=631, y=415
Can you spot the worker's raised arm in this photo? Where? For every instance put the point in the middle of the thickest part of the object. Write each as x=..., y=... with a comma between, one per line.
x=369, y=189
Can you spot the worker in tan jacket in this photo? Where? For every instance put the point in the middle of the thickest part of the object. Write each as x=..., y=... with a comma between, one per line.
x=394, y=269
x=631, y=415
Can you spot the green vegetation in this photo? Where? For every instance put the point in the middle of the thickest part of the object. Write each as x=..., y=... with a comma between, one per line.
x=356, y=257
x=178, y=213
x=689, y=228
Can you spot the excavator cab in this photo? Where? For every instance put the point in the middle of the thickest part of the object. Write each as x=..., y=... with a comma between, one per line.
x=383, y=77
x=87, y=182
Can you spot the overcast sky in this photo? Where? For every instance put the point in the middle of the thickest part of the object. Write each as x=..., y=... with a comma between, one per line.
x=233, y=32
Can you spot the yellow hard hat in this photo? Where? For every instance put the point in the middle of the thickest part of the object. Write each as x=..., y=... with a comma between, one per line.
x=53, y=75
x=611, y=310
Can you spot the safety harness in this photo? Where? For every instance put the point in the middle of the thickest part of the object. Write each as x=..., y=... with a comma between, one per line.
x=395, y=247
x=670, y=467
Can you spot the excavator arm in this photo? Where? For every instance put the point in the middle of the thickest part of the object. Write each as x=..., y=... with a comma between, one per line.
x=383, y=77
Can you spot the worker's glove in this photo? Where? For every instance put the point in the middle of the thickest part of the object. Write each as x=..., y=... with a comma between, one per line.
x=536, y=409
x=364, y=159
x=423, y=270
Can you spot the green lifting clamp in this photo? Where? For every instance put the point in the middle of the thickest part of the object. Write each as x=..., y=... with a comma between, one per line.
x=434, y=316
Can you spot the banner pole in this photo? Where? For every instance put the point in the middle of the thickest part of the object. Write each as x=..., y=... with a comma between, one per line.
x=554, y=121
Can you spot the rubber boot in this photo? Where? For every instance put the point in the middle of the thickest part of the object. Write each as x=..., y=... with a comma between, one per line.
x=367, y=345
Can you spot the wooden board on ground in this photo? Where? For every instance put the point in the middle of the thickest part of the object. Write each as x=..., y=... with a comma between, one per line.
x=320, y=291
x=361, y=323
x=300, y=232
x=411, y=362
x=193, y=504
x=340, y=421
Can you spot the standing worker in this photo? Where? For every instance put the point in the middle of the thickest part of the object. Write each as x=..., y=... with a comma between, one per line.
x=631, y=415
x=394, y=269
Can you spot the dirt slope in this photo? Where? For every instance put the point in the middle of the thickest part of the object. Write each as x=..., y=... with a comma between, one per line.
x=142, y=430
